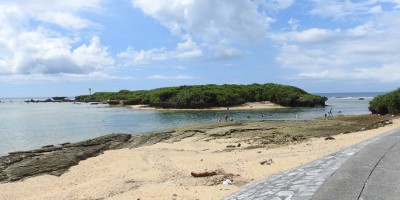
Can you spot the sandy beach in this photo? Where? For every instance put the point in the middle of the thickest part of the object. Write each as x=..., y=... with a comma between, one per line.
x=163, y=170
x=246, y=106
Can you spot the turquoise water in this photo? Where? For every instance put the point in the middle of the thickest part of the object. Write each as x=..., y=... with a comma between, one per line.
x=26, y=126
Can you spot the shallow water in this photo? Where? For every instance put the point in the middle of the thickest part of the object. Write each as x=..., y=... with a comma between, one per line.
x=25, y=126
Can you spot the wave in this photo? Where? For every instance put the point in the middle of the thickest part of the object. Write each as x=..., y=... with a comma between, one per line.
x=350, y=95
x=359, y=98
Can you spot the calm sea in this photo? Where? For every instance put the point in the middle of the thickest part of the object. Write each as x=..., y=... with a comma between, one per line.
x=25, y=126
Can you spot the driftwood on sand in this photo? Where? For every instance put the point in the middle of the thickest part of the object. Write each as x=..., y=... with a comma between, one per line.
x=203, y=174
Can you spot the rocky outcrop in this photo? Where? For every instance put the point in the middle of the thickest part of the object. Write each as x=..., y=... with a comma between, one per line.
x=149, y=139
x=55, y=160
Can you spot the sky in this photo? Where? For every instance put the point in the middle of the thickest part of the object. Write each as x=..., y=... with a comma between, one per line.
x=64, y=47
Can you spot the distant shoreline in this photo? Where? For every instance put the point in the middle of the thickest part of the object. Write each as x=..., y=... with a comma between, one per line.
x=246, y=106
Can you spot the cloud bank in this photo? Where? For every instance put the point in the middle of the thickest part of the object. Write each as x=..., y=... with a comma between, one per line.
x=368, y=50
x=29, y=47
x=314, y=39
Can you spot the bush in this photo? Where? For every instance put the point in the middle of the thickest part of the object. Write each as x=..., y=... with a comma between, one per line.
x=386, y=104
x=206, y=96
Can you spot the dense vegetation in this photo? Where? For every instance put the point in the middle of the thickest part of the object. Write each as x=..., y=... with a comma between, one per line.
x=386, y=104
x=206, y=96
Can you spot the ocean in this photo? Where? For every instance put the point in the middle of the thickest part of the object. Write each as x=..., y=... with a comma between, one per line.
x=26, y=126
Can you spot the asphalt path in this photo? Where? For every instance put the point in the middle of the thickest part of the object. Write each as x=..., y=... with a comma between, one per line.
x=368, y=170
x=372, y=173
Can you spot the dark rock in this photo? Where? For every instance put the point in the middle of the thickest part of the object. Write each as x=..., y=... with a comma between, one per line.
x=65, y=144
x=149, y=139
x=203, y=174
x=255, y=147
x=266, y=162
x=388, y=122
x=346, y=132
x=329, y=138
x=55, y=160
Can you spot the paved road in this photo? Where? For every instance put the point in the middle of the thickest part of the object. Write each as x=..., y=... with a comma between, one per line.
x=368, y=170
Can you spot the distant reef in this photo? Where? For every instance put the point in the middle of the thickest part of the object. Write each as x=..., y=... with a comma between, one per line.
x=53, y=99
x=207, y=96
x=386, y=104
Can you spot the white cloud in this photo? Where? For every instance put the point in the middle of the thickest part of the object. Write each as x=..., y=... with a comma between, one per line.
x=65, y=20
x=294, y=24
x=313, y=35
x=94, y=55
x=67, y=5
x=222, y=52
x=29, y=49
x=162, y=77
x=209, y=20
x=180, y=67
x=131, y=58
x=185, y=50
x=275, y=5
x=210, y=29
x=385, y=73
x=338, y=10
x=60, y=77
x=39, y=51
x=63, y=13
x=369, y=51
x=293, y=56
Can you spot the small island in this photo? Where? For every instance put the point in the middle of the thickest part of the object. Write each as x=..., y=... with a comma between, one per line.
x=209, y=96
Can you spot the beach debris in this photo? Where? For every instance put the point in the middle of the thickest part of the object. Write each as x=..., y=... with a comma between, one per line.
x=227, y=182
x=329, y=138
x=231, y=146
x=346, y=132
x=267, y=162
x=239, y=145
x=203, y=174
x=255, y=146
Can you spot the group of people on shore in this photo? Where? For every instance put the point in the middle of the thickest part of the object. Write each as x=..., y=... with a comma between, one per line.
x=330, y=114
x=226, y=118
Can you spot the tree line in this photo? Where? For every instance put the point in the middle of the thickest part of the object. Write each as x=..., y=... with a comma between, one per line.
x=206, y=96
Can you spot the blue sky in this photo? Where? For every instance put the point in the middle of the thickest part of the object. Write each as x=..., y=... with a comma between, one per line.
x=64, y=47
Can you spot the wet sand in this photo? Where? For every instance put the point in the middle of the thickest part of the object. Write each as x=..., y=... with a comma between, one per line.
x=246, y=106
